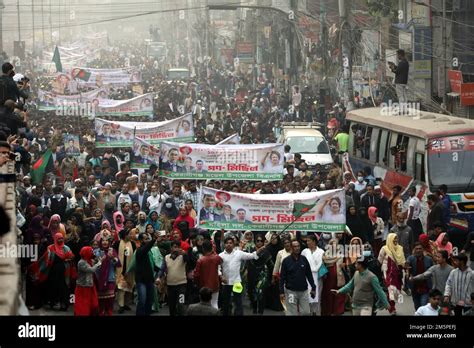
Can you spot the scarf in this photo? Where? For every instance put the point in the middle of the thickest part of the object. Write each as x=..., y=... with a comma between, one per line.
x=60, y=228
x=448, y=247
x=425, y=243
x=125, y=260
x=371, y=213
x=331, y=258
x=87, y=253
x=395, y=252
x=59, y=247
x=118, y=227
x=356, y=251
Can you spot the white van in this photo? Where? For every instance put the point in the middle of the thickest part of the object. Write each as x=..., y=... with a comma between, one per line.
x=306, y=140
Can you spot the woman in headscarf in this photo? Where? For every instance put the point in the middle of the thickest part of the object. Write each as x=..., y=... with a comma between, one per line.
x=98, y=219
x=356, y=249
x=105, y=232
x=86, y=302
x=247, y=243
x=443, y=243
x=34, y=291
x=183, y=216
x=118, y=221
x=354, y=222
x=392, y=259
x=427, y=245
x=377, y=229
x=190, y=208
x=106, y=277
x=154, y=220
x=331, y=303
x=37, y=228
x=125, y=281
x=56, y=268
x=56, y=226
x=169, y=211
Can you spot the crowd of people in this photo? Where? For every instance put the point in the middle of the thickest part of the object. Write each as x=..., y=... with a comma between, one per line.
x=110, y=238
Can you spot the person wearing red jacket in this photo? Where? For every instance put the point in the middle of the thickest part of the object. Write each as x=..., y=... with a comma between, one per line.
x=206, y=273
x=183, y=216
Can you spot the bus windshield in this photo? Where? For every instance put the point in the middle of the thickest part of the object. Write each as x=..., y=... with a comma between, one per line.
x=451, y=162
x=307, y=144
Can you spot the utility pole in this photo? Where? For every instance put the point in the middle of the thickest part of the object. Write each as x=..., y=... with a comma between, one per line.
x=2, y=6
x=324, y=37
x=51, y=21
x=291, y=37
x=445, y=51
x=346, y=46
x=33, y=23
x=42, y=22
x=18, y=18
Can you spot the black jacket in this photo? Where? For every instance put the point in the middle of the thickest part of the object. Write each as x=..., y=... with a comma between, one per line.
x=294, y=273
x=11, y=90
x=401, y=72
x=144, y=273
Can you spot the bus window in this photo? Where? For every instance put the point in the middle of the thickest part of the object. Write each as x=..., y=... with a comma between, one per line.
x=362, y=136
x=410, y=153
x=398, y=151
x=368, y=136
x=352, y=139
x=419, y=166
x=374, y=141
x=382, y=148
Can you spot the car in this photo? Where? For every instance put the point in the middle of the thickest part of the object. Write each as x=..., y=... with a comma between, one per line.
x=307, y=140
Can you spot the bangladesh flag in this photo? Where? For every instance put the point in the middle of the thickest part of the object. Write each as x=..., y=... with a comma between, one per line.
x=83, y=75
x=37, y=172
x=300, y=209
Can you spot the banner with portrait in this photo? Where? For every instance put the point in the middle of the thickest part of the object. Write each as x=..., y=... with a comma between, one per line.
x=144, y=154
x=222, y=162
x=121, y=134
x=310, y=211
x=138, y=106
x=50, y=101
x=71, y=145
x=99, y=77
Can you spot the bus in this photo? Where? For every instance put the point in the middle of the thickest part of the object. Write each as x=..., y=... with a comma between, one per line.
x=426, y=151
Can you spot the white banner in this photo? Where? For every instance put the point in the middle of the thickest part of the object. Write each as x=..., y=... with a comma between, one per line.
x=311, y=211
x=98, y=77
x=121, y=134
x=138, y=106
x=238, y=162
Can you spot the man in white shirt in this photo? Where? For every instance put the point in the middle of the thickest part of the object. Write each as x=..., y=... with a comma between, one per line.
x=231, y=263
x=314, y=255
x=155, y=201
x=414, y=210
x=431, y=308
x=123, y=197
